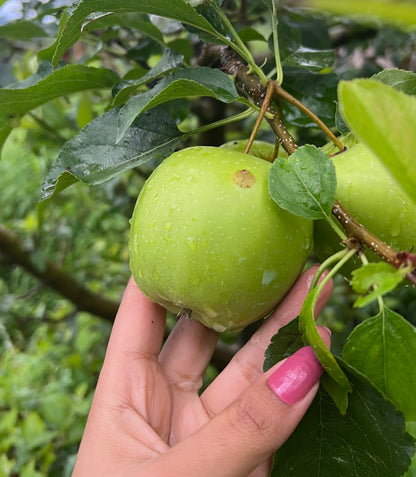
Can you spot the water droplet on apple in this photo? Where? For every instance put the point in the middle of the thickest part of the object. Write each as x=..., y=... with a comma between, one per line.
x=268, y=276
x=191, y=242
x=395, y=229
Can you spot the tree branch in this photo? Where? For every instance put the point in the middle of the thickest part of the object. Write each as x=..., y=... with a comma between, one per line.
x=360, y=234
x=248, y=85
x=14, y=250
x=251, y=87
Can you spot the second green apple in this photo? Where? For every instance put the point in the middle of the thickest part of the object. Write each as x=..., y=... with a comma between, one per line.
x=373, y=197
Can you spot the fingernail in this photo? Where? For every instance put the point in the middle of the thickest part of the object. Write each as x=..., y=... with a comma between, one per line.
x=296, y=376
x=327, y=330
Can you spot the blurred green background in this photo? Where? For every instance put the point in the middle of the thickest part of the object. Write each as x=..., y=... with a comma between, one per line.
x=51, y=349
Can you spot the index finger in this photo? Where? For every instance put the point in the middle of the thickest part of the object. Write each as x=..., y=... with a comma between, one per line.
x=139, y=325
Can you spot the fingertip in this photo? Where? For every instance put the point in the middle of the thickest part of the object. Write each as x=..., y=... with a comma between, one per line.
x=296, y=377
x=133, y=296
x=325, y=334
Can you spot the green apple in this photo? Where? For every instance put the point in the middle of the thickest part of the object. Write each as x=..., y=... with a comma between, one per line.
x=206, y=237
x=373, y=197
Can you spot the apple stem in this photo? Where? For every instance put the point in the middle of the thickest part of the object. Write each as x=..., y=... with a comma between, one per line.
x=339, y=258
x=282, y=93
x=260, y=116
x=357, y=233
x=185, y=313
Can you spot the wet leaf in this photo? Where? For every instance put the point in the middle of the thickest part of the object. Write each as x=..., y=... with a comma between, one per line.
x=384, y=348
x=305, y=183
x=94, y=156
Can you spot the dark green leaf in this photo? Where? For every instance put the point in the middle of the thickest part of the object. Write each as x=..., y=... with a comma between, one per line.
x=315, y=90
x=184, y=83
x=314, y=60
x=48, y=84
x=170, y=61
x=210, y=13
x=283, y=344
x=374, y=280
x=384, y=349
x=131, y=20
x=93, y=156
x=73, y=18
x=250, y=34
x=293, y=52
x=289, y=38
x=370, y=440
x=401, y=80
x=305, y=183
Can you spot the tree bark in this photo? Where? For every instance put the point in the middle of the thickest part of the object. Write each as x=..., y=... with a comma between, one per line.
x=14, y=251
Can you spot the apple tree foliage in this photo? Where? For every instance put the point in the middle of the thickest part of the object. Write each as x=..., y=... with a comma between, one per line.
x=100, y=94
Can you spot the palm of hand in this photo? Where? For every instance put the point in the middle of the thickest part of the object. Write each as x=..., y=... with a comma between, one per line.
x=147, y=400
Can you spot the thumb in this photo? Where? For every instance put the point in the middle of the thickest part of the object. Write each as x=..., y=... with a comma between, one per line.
x=256, y=424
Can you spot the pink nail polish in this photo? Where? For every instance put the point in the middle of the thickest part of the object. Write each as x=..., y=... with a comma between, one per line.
x=296, y=376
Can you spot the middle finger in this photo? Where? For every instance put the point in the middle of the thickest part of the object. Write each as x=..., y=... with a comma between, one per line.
x=187, y=353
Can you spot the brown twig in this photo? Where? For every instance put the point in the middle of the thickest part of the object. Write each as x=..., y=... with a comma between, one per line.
x=282, y=93
x=359, y=233
x=260, y=116
x=248, y=85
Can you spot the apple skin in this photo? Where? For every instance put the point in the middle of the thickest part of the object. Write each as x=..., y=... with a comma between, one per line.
x=262, y=149
x=373, y=197
x=206, y=236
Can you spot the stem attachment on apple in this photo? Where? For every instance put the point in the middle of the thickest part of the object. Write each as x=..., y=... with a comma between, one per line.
x=185, y=313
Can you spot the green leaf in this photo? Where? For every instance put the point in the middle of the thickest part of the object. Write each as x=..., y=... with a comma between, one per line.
x=317, y=91
x=48, y=84
x=304, y=184
x=401, y=80
x=211, y=15
x=22, y=30
x=184, y=83
x=374, y=280
x=130, y=20
x=369, y=440
x=93, y=156
x=43, y=86
x=283, y=344
x=170, y=61
x=298, y=47
x=335, y=381
x=6, y=127
x=384, y=348
x=58, y=409
x=385, y=120
x=250, y=34
x=73, y=18
x=314, y=60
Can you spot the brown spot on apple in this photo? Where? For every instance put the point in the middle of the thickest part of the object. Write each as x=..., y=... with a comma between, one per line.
x=244, y=178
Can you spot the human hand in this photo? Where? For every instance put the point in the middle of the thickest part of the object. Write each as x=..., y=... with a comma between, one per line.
x=148, y=419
